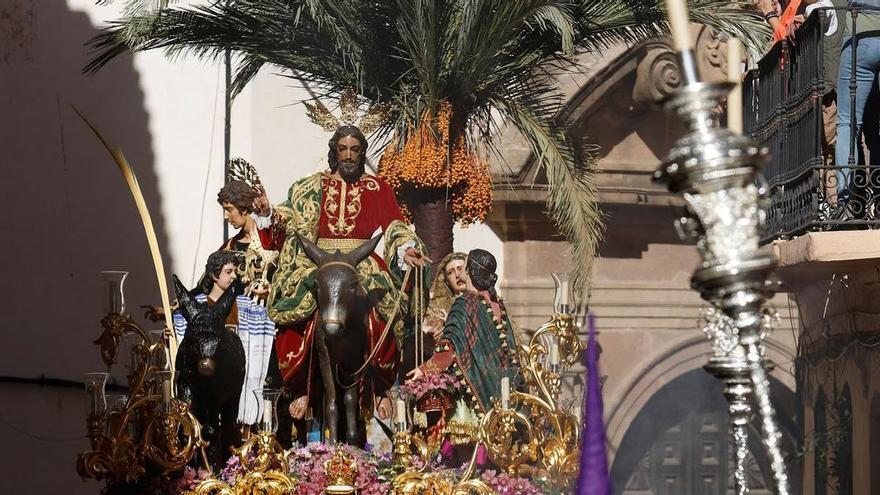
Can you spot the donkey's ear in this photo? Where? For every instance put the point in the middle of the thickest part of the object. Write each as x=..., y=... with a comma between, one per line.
x=313, y=252
x=361, y=252
x=221, y=309
x=188, y=305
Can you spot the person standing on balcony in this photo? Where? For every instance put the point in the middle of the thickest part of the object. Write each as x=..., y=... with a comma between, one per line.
x=867, y=66
x=772, y=11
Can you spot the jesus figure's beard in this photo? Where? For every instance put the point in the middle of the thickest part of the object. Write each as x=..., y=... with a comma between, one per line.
x=350, y=171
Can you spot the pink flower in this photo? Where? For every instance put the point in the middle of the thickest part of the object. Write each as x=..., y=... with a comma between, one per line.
x=307, y=466
x=504, y=484
x=428, y=383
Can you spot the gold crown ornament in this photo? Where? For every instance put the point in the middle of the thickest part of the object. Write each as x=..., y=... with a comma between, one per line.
x=372, y=119
x=340, y=471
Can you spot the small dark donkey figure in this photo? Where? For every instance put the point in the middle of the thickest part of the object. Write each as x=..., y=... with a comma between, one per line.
x=211, y=366
x=341, y=337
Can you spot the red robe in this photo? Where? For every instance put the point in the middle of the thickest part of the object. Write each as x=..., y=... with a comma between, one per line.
x=348, y=211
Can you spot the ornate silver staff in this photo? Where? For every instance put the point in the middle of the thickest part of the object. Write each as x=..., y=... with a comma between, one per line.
x=715, y=171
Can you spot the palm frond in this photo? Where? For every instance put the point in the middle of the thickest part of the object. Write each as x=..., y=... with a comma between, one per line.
x=482, y=56
x=261, y=31
x=573, y=197
x=570, y=168
x=607, y=23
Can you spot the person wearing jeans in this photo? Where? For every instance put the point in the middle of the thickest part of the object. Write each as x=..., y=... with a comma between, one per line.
x=867, y=67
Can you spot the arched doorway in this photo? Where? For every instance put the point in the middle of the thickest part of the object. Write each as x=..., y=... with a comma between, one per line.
x=678, y=443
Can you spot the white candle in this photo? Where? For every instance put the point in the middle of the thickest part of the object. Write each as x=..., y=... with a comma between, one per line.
x=734, y=75
x=166, y=391
x=505, y=391
x=679, y=25
x=401, y=412
x=554, y=354
x=267, y=413
x=563, y=296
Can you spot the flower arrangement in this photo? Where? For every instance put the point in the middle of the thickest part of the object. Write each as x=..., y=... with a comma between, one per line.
x=307, y=468
x=233, y=471
x=504, y=484
x=427, y=159
x=190, y=479
x=430, y=382
x=374, y=473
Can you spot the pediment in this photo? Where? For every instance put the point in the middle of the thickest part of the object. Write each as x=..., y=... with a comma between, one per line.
x=612, y=103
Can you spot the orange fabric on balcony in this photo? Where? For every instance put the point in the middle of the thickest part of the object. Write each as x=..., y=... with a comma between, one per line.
x=791, y=10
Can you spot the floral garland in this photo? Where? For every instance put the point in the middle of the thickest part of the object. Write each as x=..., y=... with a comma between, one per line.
x=504, y=484
x=458, y=374
x=502, y=330
x=374, y=474
x=425, y=159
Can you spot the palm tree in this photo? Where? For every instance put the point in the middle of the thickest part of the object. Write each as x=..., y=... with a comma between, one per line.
x=451, y=70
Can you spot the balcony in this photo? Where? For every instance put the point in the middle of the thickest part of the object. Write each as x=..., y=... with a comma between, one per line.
x=783, y=111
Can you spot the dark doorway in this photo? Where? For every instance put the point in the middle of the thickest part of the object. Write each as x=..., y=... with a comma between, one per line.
x=678, y=444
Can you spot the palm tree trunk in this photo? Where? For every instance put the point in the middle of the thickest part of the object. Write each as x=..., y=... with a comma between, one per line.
x=432, y=218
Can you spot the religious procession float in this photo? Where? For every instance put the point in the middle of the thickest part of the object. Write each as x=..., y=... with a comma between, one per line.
x=308, y=361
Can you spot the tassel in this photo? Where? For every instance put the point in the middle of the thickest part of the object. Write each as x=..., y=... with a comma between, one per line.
x=420, y=419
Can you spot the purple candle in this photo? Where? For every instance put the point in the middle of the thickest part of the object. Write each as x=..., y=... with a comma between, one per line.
x=594, y=479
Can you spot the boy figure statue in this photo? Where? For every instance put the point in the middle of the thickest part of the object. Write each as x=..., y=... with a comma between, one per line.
x=257, y=263
x=252, y=325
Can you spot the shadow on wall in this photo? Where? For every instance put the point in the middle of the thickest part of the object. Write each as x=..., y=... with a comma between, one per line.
x=70, y=217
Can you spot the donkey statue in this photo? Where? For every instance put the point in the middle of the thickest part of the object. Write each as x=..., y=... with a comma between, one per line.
x=211, y=367
x=341, y=337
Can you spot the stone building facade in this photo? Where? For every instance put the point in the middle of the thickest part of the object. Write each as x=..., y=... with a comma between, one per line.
x=666, y=419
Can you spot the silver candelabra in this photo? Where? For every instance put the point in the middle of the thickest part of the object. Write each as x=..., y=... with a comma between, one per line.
x=717, y=173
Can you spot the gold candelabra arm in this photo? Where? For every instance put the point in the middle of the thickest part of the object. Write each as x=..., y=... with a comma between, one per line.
x=263, y=453
x=508, y=436
x=93, y=464
x=213, y=486
x=404, y=446
x=420, y=482
x=111, y=458
x=265, y=463
x=555, y=444
x=163, y=434
x=542, y=371
x=115, y=325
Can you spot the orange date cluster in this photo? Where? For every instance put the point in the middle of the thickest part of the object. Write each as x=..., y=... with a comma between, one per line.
x=425, y=160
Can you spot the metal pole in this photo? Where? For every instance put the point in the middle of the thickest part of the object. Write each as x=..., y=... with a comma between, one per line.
x=227, y=128
x=853, y=86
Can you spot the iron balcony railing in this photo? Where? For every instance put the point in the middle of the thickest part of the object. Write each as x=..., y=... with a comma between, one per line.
x=783, y=100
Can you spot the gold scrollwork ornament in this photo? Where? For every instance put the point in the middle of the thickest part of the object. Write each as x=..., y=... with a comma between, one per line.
x=266, y=465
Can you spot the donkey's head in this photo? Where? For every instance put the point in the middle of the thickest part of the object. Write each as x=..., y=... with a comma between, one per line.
x=204, y=326
x=337, y=282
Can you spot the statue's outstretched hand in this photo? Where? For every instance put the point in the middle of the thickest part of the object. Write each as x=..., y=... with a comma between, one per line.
x=261, y=203
x=413, y=257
